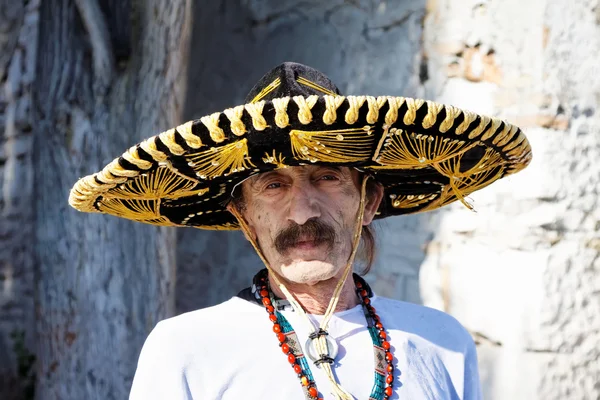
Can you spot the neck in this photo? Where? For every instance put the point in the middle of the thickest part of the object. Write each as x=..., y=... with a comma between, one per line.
x=315, y=298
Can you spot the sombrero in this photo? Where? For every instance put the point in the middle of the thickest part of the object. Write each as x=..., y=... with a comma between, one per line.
x=425, y=154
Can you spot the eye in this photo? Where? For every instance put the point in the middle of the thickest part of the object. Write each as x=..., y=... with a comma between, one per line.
x=328, y=177
x=274, y=185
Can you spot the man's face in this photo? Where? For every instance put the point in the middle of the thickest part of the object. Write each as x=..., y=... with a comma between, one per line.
x=303, y=219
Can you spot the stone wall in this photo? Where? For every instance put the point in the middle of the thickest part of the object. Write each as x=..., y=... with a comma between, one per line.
x=522, y=272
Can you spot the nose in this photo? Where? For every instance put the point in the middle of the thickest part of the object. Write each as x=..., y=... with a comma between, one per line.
x=303, y=203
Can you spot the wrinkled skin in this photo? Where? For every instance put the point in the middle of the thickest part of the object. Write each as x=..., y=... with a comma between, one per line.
x=280, y=206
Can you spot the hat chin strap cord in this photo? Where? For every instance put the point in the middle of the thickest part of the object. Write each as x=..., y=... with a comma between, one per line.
x=320, y=338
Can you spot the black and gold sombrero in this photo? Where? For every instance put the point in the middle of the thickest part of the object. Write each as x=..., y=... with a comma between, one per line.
x=425, y=154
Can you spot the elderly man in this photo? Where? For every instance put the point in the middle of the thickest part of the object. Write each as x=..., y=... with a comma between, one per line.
x=303, y=171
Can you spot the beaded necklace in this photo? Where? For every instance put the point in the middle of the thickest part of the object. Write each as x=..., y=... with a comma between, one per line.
x=290, y=346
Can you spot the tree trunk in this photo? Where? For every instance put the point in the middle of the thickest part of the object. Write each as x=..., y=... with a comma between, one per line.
x=18, y=36
x=108, y=75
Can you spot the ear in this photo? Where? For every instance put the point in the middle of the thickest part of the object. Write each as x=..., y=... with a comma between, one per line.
x=372, y=201
x=238, y=214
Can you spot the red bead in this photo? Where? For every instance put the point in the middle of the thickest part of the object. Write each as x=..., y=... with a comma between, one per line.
x=359, y=285
x=297, y=369
x=366, y=300
x=281, y=337
x=291, y=358
x=388, y=356
x=389, y=379
x=285, y=348
x=383, y=335
x=266, y=301
x=313, y=392
x=364, y=293
x=388, y=391
x=276, y=328
x=270, y=309
x=378, y=325
x=385, y=344
x=264, y=293
x=372, y=309
x=376, y=318
x=273, y=318
x=390, y=368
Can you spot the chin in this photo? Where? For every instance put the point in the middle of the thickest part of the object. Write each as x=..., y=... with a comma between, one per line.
x=309, y=272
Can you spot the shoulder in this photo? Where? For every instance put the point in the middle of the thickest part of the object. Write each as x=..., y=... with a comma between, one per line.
x=430, y=324
x=187, y=328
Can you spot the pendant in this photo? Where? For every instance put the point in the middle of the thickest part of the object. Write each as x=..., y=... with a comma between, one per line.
x=332, y=349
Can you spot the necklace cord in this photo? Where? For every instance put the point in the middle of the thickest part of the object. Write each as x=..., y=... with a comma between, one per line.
x=321, y=341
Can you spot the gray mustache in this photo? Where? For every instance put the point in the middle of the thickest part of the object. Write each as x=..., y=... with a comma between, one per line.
x=313, y=229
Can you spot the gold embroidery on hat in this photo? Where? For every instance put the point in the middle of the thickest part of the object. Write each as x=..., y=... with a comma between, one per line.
x=516, y=142
x=185, y=130
x=305, y=106
x=391, y=116
x=519, y=164
x=451, y=114
x=502, y=134
x=413, y=105
x=168, y=139
x=220, y=161
x=340, y=145
x=212, y=124
x=114, y=173
x=282, y=119
x=268, y=89
x=235, y=119
x=193, y=200
x=227, y=226
x=164, y=182
x=133, y=157
x=484, y=122
x=139, y=198
x=332, y=103
x=517, y=151
x=303, y=81
x=354, y=105
x=504, y=140
x=433, y=109
x=255, y=110
x=412, y=200
x=469, y=117
x=276, y=159
x=399, y=149
x=460, y=188
x=149, y=146
x=492, y=129
x=138, y=210
x=373, y=110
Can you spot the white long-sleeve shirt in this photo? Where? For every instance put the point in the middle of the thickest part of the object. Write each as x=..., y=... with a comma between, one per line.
x=229, y=352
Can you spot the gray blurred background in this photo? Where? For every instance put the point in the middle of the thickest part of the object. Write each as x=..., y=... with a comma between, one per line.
x=82, y=80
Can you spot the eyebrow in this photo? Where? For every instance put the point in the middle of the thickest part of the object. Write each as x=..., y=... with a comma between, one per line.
x=267, y=174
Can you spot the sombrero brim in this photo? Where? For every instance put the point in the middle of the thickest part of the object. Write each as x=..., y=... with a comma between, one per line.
x=425, y=154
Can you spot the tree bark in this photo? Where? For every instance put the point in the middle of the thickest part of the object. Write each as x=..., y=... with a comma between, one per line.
x=108, y=75
x=18, y=34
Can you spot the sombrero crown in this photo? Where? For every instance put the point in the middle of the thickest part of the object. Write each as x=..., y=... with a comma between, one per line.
x=425, y=154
